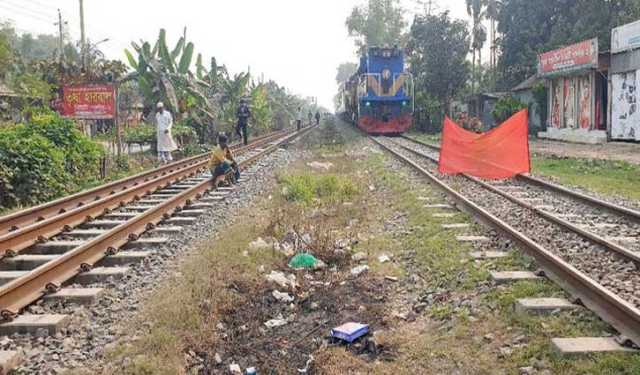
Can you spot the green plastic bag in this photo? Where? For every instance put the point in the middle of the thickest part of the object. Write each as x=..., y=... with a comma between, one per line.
x=303, y=260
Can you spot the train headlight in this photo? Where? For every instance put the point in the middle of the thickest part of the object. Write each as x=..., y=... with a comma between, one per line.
x=405, y=103
x=368, y=104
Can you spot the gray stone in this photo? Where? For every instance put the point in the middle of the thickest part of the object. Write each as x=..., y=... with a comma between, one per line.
x=543, y=305
x=489, y=255
x=81, y=296
x=512, y=276
x=588, y=345
x=45, y=324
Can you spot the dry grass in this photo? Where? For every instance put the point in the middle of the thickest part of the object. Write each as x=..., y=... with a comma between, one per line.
x=218, y=284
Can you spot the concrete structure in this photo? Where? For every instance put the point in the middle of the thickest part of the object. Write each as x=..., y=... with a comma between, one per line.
x=624, y=80
x=576, y=78
x=513, y=276
x=482, y=105
x=588, y=345
x=543, y=305
x=524, y=93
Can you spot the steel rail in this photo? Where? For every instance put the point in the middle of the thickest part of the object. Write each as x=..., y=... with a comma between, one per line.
x=49, y=277
x=613, y=247
x=47, y=210
x=14, y=242
x=592, y=201
x=622, y=315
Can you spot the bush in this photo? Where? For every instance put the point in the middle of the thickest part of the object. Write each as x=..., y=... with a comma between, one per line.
x=6, y=190
x=147, y=134
x=506, y=107
x=44, y=159
x=82, y=155
x=32, y=166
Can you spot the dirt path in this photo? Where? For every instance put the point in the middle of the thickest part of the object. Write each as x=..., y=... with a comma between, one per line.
x=629, y=152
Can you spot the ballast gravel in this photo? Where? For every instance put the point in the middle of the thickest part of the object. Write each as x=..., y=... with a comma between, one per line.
x=618, y=275
x=96, y=328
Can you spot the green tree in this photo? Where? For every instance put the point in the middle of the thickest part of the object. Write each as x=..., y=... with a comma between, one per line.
x=438, y=47
x=529, y=29
x=492, y=13
x=475, y=8
x=345, y=71
x=377, y=23
x=6, y=56
x=260, y=108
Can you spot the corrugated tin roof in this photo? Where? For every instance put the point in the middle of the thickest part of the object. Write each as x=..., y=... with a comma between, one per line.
x=526, y=84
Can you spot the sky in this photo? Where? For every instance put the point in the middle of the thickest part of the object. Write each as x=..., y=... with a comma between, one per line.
x=297, y=43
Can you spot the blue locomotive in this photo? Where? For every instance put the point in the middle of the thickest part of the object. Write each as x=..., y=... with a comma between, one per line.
x=379, y=96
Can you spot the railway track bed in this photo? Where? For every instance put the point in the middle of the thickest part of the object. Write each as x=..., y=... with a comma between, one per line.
x=74, y=319
x=586, y=246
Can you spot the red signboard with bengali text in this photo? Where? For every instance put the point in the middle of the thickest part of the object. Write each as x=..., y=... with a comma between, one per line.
x=89, y=102
x=577, y=56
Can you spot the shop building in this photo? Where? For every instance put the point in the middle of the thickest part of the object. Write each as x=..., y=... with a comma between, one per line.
x=624, y=116
x=576, y=79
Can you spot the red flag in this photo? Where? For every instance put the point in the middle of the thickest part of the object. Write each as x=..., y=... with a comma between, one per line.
x=498, y=154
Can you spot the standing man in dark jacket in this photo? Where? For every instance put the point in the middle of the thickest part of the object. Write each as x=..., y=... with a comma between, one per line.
x=243, y=120
x=317, y=117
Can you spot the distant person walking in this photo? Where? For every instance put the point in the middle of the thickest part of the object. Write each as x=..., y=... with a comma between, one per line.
x=243, y=121
x=310, y=116
x=166, y=144
x=299, y=118
x=317, y=117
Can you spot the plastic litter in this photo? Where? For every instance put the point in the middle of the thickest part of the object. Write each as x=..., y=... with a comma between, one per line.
x=234, y=368
x=359, y=270
x=258, y=244
x=320, y=166
x=282, y=280
x=251, y=371
x=359, y=257
x=303, y=260
x=273, y=323
x=350, y=332
x=384, y=258
x=282, y=297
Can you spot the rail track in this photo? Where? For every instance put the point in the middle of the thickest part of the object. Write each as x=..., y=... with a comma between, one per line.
x=26, y=228
x=75, y=234
x=575, y=238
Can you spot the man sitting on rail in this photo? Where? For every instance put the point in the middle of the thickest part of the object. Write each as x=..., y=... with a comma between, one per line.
x=222, y=162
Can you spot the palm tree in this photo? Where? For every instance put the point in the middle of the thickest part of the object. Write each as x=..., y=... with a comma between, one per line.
x=475, y=10
x=493, y=10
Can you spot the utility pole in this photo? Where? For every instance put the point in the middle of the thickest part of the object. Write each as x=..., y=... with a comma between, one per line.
x=61, y=37
x=83, y=41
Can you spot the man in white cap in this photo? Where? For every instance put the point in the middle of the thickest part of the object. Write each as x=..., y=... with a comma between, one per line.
x=166, y=144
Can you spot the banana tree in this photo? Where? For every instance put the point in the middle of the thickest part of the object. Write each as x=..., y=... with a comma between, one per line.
x=260, y=107
x=232, y=91
x=165, y=75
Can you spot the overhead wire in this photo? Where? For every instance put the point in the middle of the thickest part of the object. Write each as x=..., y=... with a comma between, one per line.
x=26, y=14
x=45, y=13
x=37, y=12
x=41, y=4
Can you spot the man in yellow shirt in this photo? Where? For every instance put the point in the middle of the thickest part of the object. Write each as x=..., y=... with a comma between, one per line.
x=222, y=160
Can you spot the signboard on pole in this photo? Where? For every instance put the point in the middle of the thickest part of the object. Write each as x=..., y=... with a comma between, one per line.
x=89, y=102
x=578, y=56
x=625, y=37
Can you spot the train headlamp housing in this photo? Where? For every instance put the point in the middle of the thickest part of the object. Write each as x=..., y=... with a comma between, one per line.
x=367, y=104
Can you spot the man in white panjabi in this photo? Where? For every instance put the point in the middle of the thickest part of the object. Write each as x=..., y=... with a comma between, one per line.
x=166, y=144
